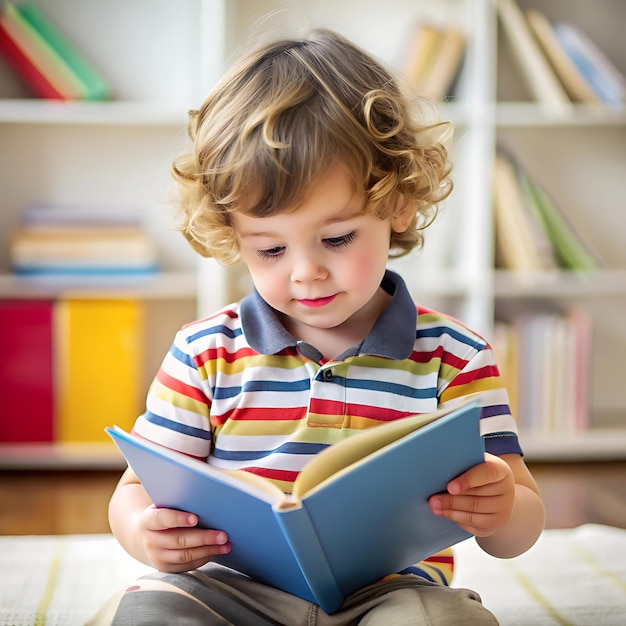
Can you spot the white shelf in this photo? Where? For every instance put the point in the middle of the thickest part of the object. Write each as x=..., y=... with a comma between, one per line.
x=591, y=445
x=114, y=113
x=61, y=456
x=560, y=284
x=530, y=114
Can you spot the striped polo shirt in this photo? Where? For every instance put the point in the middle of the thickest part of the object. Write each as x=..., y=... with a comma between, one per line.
x=238, y=390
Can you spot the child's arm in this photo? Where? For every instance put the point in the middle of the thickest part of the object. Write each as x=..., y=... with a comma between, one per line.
x=162, y=538
x=498, y=501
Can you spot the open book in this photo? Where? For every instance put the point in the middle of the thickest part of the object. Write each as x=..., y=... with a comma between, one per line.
x=359, y=510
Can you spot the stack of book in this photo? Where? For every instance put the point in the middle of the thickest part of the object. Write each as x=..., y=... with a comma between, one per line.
x=45, y=59
x=73, y=241
x=560, y=63
x=434, y=59
x=533, y=234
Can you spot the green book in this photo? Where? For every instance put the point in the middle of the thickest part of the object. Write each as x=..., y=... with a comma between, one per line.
x=97, y=86
x=572, y=251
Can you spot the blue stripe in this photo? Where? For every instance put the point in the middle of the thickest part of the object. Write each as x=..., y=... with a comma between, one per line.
x=254, y=386
x=159, y=420
x=215, y=330
x=252, y=455
x=394, y=388
x=181, y=356
x=502, y=443
x=495, y=410
x=438, y=331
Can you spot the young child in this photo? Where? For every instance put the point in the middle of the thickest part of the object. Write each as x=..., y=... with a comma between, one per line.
x=307, y=164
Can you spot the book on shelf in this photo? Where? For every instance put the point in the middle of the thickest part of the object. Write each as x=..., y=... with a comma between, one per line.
x=26, y=370
x=434, y=59
x=301, y=551
x=99, y=366
x=570, y=247
x=521, y=242
x=83, y=241
x=603, y=76
x=573, y=80
x=533, y=233
x=552, y=367
x=539, y=75
x=45, y=58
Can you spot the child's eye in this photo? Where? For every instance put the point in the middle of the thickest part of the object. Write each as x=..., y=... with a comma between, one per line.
x=340, y=242
x=271, y=253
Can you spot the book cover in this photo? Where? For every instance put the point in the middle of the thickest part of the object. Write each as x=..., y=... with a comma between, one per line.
x=97, y=86
x=26, y=371
x=607, y=81
x=535, y=68
x=574, y=81
x=41, y=54
x=99, y=366
x=374, y=484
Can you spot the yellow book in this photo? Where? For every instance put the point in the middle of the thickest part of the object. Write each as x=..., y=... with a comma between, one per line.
x=422, y=53
x=446, y=64
x=100, y=347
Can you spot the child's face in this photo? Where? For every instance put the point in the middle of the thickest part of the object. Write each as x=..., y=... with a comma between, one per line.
x=322, y=263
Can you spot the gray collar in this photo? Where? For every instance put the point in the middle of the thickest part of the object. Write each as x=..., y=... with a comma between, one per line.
x=392, y=336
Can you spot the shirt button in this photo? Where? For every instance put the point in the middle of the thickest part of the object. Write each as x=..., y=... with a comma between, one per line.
x=328, y=375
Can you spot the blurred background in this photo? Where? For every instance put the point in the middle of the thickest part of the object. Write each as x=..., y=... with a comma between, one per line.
x=530, y=249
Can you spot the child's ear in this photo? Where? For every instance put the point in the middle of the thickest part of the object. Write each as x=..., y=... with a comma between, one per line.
x=402, y=218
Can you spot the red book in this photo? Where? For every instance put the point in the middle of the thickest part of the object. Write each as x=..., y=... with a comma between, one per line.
x=29, y=73
x=26, y=364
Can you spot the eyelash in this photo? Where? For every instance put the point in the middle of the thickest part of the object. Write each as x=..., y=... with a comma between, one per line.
x=334, y=243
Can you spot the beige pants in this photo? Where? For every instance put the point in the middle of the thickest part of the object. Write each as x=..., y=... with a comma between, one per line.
x=218, y=595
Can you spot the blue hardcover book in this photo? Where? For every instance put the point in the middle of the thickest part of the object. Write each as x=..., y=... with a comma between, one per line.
x=359, y=510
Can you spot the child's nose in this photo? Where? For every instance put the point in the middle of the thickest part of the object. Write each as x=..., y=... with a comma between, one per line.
x=308, y=268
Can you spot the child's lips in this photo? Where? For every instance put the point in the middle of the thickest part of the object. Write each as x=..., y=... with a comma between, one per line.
x=317, y=302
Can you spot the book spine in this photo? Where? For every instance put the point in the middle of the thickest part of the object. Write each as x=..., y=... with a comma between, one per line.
x=41, y=54
x=96, y=84
x=100, y=355
x=26, y=371
x=539, y=75
x=24, y=67
x=302, y=538
x=594, y=66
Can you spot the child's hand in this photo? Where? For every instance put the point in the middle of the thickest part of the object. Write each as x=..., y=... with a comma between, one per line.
x=480, y=500
x=173, y=543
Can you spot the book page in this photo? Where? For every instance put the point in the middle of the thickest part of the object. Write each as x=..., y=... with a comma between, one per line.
x=350, y=451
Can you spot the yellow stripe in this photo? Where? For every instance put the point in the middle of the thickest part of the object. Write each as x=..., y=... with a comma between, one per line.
x=534, y=593
x=53, y=574
x=595, y=564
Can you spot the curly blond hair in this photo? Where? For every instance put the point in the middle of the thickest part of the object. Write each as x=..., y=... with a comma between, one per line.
x=274, y=123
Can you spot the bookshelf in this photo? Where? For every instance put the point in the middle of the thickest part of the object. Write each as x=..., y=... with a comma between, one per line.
x=166, y=56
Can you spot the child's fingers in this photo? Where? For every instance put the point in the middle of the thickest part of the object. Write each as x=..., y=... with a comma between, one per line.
x=154, y=518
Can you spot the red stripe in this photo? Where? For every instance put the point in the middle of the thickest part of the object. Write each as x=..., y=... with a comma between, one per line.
x=179, y=387
x=448, y=560
x=261, y=414
x=273, y=474
x=214, y=354
x=334, y=407
x=465, y=378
